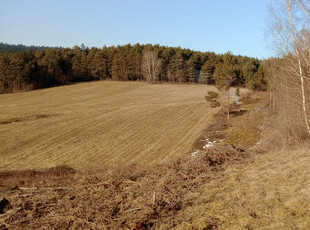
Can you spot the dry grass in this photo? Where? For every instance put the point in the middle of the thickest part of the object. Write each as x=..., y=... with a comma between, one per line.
x=130, y=197
x=269, y=192
x=99, y=124
x=248, y=121
x=223, y=187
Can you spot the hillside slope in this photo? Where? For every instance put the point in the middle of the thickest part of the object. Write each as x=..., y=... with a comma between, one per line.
x=265, y=191
x=272, y=191
x=223, y=187
x=99, y=124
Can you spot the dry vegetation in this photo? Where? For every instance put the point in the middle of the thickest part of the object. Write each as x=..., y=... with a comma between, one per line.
x=99, y=124
x=227, y=186
x=164, y=196
x=269, y=192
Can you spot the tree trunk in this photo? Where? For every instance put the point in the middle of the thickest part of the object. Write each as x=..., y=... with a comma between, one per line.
x=299, y=66
x=303, y=97
x=228, y=116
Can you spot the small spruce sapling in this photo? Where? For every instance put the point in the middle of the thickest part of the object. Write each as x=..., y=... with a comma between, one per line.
x=212, y=98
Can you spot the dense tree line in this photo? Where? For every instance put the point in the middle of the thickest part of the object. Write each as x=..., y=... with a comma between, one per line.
x=34, y=69
x=4, y=47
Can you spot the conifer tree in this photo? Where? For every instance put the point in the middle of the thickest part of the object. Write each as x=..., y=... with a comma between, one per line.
x=224, y=75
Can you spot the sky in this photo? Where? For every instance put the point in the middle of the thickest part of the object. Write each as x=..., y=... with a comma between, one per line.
x=202, y=25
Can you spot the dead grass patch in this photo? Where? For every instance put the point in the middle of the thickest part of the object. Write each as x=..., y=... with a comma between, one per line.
x=130, y=197
x=270, y=192
x=245, y=131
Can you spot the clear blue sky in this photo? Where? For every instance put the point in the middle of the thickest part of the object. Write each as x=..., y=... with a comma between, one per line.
x=204, y=25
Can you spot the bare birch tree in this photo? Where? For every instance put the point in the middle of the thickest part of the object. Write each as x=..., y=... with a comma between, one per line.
x=289, y=28
x=151, y=65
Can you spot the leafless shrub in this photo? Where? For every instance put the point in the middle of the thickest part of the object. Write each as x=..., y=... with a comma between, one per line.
x=151, y=65
x=290, y=81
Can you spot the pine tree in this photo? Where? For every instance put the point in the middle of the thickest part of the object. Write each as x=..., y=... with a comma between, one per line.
x=224, y=75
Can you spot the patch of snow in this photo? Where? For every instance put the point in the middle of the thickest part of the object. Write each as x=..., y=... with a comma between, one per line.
x=211, y=143
x=208, y=145
x=194, y=154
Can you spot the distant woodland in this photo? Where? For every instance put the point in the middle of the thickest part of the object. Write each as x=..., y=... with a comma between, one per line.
x=4, y=47
x=27, y=68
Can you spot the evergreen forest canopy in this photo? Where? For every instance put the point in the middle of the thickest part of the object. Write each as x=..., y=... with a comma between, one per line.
x=4, y=47
x=27, y=68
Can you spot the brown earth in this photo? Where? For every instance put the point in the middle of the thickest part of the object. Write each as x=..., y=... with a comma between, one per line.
x=100, y=124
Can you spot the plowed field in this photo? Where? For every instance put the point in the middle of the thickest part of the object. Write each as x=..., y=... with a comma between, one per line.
x=99, y=124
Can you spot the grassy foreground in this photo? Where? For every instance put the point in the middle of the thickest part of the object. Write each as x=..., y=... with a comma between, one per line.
x=268, y=191
x=272, y=191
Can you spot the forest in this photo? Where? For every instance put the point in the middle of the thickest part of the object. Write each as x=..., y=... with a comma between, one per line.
x=25, y=68
x=4, y=47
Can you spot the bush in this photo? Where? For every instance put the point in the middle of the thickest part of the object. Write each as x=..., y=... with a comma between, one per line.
x=211, y=95
x=212, y=98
